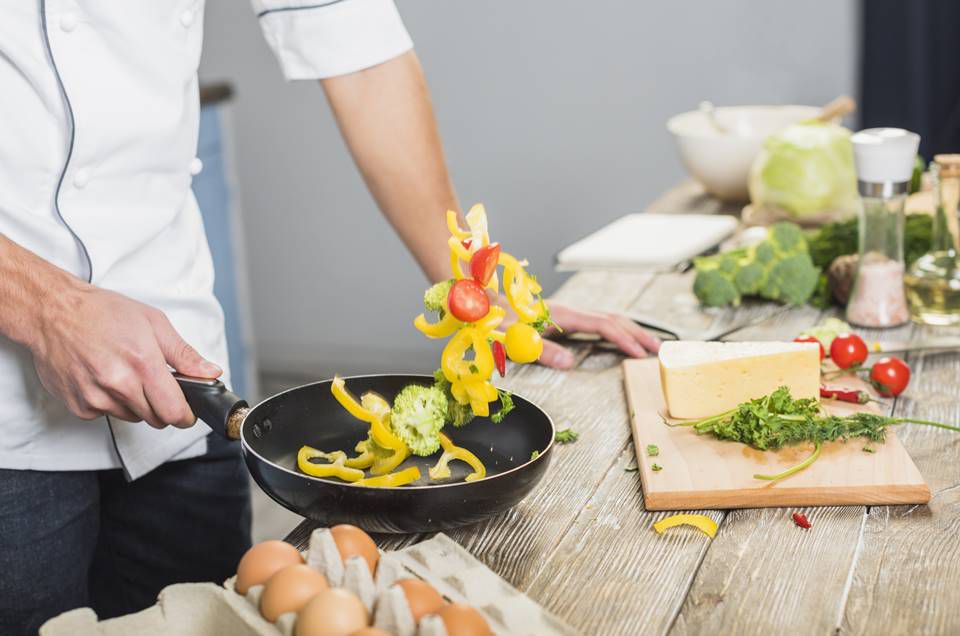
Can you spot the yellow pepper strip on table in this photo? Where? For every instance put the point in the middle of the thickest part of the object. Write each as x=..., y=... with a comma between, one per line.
x=701, y=522
x=399, y=478
x=334, y=468
x=441, y=470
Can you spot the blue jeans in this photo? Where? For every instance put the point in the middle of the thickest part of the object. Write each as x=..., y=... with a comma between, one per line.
x=72, y=539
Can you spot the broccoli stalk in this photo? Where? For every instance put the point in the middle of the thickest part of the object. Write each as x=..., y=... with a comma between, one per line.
x=417, y=416
x=778, y=268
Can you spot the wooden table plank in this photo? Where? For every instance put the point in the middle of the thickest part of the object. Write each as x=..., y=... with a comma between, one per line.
x=907, y=578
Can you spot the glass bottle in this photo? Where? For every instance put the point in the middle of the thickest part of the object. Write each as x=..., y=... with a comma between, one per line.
x=933, y=281
x=884, y=158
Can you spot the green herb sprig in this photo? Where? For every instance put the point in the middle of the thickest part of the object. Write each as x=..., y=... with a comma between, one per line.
x=777, y=420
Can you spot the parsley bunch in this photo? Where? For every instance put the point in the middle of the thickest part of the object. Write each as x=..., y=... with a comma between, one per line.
x=777, y=420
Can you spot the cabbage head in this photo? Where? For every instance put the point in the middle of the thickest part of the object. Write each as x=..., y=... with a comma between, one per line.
x=806, y=170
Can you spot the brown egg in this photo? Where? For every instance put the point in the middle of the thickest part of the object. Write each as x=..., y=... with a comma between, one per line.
x=371, y=631
x=262, y=561
x=463, y=620
x=290, y=589
x=334, y=612
x=421, y=597
x=351, y=541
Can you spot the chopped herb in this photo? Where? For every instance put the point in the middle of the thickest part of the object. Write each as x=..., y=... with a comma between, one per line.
x=869, y=449
x=652, y=450
x=566, y=436
x=656, y=468
x=473, y=368
x=506, y=405
x=777, y=420
x=534, y=455
x=543, y=321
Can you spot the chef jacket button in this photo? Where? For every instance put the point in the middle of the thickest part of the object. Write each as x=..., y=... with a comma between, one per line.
x=81, y=178
x=68, y=22
x=186, y=18
x=196, y=166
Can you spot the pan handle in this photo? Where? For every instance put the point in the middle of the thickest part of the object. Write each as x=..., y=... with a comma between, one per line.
x=212, y=402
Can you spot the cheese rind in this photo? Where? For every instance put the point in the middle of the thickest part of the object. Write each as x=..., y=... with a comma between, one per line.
x=701, y=379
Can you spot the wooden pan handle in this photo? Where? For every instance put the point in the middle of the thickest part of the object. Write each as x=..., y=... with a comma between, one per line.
x=214, y=403
x=840, y=107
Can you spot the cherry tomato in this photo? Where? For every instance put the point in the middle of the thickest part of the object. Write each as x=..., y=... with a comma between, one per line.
x=468, y=300
x=848, y=350
x=890, y=376
x=812, y=339
x=483, y=263
x=524, y=344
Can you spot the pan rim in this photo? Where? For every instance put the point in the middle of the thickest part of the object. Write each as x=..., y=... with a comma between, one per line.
x=248, y=448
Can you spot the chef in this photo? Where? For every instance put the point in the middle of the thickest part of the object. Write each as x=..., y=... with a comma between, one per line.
x=109, y=490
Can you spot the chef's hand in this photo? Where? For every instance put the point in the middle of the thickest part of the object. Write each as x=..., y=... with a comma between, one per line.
x=619, y=330
x=103, y=353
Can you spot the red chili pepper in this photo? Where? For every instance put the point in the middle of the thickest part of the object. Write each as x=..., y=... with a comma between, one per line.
x=466, y=243
x=801, y=520
x=500, y=357
x=853, y=396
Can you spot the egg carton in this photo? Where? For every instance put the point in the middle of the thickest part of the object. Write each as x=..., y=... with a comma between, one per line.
x=205, y=609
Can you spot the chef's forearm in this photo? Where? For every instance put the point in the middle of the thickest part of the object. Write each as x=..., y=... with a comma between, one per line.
x=29, y=292
x=387, y=120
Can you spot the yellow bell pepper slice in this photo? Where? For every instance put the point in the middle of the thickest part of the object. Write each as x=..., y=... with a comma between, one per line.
x=399, y=478
x=385, y=463
x=375, y=403
x=364, y=459
x=453, y=224
x=477, y=222
x=491, y=321
x=335, y=468
x=441, y=470
x=347, y=401
x=701, y=522
x=446, y=326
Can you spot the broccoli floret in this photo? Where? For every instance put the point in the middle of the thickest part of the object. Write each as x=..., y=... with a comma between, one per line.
x=434, y=297
x=417, y=416
x=794, y=279
x=457, y=414
x=778, y=268
x=715, y=289
x=750, y=279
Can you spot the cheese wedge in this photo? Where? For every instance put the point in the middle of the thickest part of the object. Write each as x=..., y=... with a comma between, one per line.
x=701, y=379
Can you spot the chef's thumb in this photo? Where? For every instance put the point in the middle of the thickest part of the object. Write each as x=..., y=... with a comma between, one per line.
x=181, y=356
x=556, y=356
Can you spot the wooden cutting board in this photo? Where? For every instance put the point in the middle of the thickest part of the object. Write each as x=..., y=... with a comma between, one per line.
x=702, y=472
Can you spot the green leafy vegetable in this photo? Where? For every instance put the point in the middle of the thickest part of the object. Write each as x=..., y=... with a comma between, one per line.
x=506, y=405
x=806, y=170
x=652, y=450
x=566, y=436
x=777, y=420
x=778, y=268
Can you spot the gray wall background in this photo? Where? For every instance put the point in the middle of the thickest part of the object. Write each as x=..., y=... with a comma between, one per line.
x=552, y=114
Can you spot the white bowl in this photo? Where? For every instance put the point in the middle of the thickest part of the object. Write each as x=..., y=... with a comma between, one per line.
x=720, y=161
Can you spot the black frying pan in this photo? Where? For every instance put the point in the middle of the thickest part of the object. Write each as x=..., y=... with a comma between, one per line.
x=272, y=432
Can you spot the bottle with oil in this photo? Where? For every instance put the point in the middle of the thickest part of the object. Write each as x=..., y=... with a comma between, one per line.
x=933, y=281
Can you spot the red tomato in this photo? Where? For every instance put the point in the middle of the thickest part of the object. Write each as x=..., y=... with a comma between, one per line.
x=483, y=263
x=848, y=350
x=812, y=339
x=890, y=376
x=468, y=300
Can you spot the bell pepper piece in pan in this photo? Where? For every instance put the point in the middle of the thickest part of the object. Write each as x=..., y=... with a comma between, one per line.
x=441, y=470
x=335, y=466
x=392, y=480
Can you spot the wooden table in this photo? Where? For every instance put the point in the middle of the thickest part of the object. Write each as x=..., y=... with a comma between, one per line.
x=582, y=545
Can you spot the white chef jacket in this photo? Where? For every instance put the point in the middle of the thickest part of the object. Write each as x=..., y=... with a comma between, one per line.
x=99, y=113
